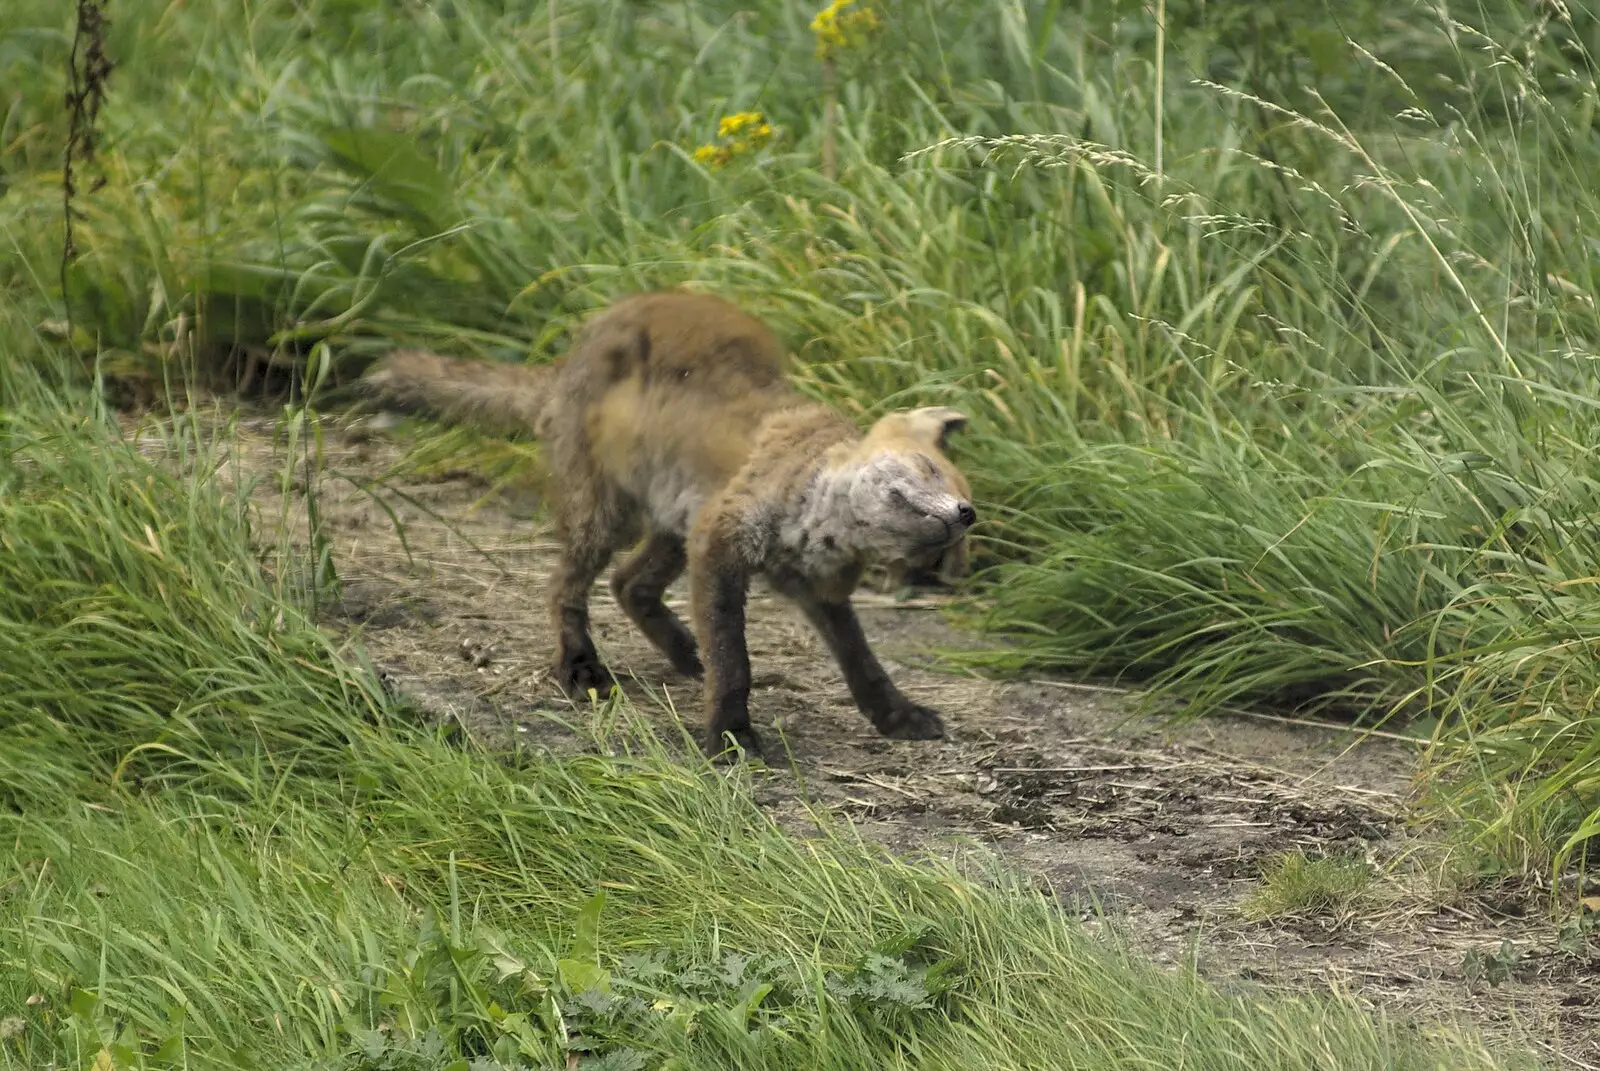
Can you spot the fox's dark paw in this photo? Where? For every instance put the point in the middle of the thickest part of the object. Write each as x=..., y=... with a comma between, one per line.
x=744, y=744
x=911, y=721
x=579, y=672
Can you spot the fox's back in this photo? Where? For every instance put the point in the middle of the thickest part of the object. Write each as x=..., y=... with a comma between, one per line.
x=676, y=386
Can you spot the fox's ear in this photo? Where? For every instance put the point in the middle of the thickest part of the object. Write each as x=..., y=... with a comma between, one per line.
x=933, y=424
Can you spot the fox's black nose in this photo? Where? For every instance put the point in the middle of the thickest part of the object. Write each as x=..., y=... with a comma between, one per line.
x=968, y=515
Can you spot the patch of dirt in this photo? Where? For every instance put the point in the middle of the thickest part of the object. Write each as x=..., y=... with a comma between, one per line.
x=1157, y=832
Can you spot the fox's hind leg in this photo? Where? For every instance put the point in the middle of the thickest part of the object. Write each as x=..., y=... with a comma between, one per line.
x=578, y=667
x=591, y=528
x=638, y=585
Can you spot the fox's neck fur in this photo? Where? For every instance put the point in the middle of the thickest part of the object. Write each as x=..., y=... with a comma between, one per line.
x=822, y=527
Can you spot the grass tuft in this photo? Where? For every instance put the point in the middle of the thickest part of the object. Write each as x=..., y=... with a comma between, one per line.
x=1296, y=886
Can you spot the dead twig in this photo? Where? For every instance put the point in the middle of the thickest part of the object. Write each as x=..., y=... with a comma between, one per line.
x=867, y=779
x=1142, y=766
x=1240, y=712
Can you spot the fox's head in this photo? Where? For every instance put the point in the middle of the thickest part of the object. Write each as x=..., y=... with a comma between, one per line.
x=912, y=504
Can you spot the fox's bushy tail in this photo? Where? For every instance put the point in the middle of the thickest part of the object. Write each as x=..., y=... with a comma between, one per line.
x=495, y=396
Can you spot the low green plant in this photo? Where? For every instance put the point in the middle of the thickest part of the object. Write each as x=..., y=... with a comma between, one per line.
x=1491, y=968
x=1296, y=885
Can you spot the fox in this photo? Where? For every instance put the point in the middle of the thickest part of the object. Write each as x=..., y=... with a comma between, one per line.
x=673, y=429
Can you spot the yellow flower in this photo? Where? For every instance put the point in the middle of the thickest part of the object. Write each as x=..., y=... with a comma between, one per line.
x=713, y=155
x=732, y=124
x=825, y=19
x=837, y=28
x=739, y=133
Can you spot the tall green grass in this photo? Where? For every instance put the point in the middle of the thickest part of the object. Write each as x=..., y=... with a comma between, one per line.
x=140, y=631
x=220, y=848
x=1304, y=417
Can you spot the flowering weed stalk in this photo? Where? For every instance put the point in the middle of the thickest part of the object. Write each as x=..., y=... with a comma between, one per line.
x=839, y=26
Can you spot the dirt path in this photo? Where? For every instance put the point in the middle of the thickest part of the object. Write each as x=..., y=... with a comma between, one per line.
x=1158, y=833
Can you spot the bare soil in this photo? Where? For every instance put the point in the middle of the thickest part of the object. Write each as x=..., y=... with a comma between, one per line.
x=1154, y=831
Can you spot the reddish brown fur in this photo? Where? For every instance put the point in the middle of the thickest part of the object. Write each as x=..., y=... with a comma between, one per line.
x=672, y=419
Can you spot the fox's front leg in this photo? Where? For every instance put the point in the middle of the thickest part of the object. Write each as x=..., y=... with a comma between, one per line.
x=719, y=585
x=875, y=694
